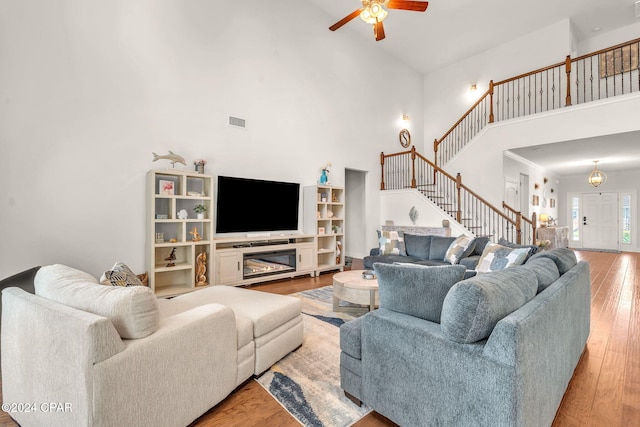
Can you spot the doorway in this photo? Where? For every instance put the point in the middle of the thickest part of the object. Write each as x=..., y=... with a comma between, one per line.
x=355, y=185
x=600, y=220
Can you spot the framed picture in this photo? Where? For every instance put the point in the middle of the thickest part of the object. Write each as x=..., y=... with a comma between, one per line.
x=166, y=188
x=536, y=200
x=320, y=230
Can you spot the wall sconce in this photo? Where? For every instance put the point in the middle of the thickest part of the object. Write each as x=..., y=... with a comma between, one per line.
x=405, y=118
x=473, y=88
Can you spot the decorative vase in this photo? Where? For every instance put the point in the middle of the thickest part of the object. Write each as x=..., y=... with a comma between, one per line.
x=200, y=167
x=200, y=215
x=323, y=177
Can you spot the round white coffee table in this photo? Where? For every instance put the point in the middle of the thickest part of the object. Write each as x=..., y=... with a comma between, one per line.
x=351, y=287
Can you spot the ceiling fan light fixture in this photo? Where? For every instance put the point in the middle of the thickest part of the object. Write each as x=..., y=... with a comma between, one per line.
x=597, y=177
x=373, y=12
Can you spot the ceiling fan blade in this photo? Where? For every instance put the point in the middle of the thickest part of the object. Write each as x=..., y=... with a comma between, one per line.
x=378, y=30
x=416, y=6
x=346, y=19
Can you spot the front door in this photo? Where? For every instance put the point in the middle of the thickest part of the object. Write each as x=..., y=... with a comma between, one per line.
x=600, y=220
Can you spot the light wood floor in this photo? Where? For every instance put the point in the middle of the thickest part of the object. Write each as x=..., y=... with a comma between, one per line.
x=604, y=391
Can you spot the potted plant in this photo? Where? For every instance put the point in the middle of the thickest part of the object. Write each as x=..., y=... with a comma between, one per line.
x=200, y=210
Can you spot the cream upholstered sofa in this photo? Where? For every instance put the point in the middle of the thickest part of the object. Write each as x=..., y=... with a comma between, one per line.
x=79, y=353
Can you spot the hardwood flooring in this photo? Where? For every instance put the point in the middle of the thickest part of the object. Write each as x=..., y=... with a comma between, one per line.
x=604, y=391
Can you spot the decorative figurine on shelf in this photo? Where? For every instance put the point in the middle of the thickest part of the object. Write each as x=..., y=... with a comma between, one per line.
x=199, y=164
x=183, y=214
x=172, y=157
x=334, y=197
x=324, y=178
x=338, y=251
x=201, y=269
x=196, y=235
x=171, y=258
x=329, y=213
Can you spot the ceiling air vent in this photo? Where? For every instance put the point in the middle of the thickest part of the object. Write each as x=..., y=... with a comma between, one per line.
x=237, y=122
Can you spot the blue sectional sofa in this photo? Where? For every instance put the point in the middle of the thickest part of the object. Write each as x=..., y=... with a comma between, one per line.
x=498, y=349
x=426, y=250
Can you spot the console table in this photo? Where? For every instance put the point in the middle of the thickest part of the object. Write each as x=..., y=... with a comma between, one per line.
x=420, y=231
x=558, y=236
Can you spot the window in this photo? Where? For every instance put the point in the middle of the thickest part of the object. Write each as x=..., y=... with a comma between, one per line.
x=575, y=218
x=626, y=219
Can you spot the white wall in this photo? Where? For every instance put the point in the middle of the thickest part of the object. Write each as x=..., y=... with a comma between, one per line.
x=609, y=38
x=90, y=89
x=481, y=162
x=396, y=204
x=446, y=91
x=513, y=166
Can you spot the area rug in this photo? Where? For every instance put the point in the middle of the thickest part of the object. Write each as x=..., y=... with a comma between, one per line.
x=307, y=381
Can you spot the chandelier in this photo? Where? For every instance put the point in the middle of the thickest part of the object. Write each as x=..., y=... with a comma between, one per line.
x=597, y=177
x=373, y=11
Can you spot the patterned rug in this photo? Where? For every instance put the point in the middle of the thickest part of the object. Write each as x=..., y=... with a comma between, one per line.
x=307, y=381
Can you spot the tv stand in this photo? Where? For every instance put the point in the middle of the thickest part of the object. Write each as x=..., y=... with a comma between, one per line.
x=246, y=260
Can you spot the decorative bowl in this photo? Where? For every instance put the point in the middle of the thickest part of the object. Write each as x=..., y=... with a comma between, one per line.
x=368, y=274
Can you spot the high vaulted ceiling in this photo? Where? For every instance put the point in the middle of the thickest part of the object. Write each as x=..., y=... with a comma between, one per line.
x=471, y=26
x=451, y=30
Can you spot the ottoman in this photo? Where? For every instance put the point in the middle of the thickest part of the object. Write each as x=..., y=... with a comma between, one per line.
x=275, y=320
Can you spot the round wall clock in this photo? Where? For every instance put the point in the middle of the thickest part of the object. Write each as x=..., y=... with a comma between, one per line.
x=405, y=138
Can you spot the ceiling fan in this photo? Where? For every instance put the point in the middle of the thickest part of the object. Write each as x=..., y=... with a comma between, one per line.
x=373, y=12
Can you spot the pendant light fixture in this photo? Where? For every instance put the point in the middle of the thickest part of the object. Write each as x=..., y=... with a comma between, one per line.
x=597, y=177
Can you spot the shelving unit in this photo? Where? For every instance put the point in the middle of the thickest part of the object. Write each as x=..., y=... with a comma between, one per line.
x=168, y=193
x=324, y=216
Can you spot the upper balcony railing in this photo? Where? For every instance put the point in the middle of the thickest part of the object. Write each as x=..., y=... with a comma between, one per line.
x=599, y=75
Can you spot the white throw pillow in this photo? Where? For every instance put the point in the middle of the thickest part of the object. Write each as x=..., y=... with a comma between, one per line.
x=391, y=243
x=497, y=257
x=460, y=248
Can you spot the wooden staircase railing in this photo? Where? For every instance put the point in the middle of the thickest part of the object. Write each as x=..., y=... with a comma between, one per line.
x=410, y=169
x=599, y=75
x=528, y=231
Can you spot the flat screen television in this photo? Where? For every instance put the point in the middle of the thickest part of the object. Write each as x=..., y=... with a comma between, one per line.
x=253, y=205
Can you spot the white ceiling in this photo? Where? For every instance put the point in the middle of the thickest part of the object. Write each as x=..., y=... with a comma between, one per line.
x=620, y=152
x=471, y=26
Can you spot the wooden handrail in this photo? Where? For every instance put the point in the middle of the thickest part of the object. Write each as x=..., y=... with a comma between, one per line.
x=606, y=50
x=568, y=101
x=530, y=73
x=518, y=221
x=455, y=185
x=464, y=116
